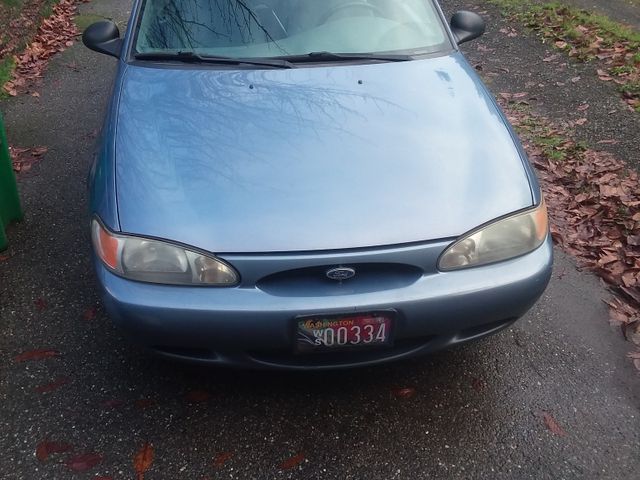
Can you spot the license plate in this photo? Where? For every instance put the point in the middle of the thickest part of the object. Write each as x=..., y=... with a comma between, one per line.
x=335, y=332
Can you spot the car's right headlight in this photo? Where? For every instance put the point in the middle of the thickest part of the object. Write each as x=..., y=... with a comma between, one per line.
x=156, y=261
x=503, y=239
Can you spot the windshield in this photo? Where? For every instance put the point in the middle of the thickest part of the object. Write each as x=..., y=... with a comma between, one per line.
x=276, y=28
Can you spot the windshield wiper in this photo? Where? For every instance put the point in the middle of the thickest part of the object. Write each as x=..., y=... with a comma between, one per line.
x=192, y=57
x=346, y=57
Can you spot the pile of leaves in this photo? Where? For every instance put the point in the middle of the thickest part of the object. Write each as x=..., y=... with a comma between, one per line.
x=586, y=36
x=16, y=25
x=56, y=33
x=594, y=207
x=23, y=159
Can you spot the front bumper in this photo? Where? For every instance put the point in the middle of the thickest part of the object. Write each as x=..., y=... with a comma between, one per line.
x=248, y=327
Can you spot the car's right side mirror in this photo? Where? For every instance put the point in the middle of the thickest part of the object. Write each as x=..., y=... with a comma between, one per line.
x=467, y=26
x=103, y=37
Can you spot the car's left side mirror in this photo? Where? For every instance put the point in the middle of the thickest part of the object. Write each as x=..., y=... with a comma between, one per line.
x=103, y=37
x=467, y=26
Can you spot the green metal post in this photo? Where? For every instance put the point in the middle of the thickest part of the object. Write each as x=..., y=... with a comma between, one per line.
x=9, y=201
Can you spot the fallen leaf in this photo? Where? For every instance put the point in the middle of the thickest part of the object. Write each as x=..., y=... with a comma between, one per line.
x=552, y=425
x=50, y=387
x=36, y=355
x=581, y=121
x=142, y=460
x=144, y=403
x=635, y=357
x=40, y=303
x=292, y=462
x=89, y=313
x=46, y=448
x=84, y=462
x=221, y=458
x=197, y=396
x=477, y=384
x=114, y=403
x=407, y=392
x=4, y=258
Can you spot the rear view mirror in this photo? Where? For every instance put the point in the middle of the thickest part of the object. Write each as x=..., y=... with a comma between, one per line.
x=103, y=37
x=467, y=26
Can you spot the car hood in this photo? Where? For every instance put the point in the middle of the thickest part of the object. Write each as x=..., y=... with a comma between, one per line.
x=316, y=158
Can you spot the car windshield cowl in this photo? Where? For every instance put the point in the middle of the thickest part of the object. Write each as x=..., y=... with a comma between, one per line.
x=346, y=57
x=274, y=62
x=193, y=57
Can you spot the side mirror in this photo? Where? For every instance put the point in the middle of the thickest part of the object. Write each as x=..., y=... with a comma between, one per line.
x=467, y=26
x=103, y=37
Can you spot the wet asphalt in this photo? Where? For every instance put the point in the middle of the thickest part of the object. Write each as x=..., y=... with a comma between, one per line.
x=477, y=411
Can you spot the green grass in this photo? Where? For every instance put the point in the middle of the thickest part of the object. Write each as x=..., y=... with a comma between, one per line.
x=10, y=3
x=6, y=67
x=83, y=21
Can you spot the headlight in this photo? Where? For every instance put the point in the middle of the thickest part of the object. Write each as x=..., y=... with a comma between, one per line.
x=501, y=240
x=154, y=261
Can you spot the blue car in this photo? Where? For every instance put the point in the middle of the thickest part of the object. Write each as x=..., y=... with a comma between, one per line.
x=304, y=184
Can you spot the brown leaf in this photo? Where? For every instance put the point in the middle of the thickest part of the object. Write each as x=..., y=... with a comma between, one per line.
x=632, y=332
x=633, y=240
x=4, y=258
x=114, y=403
x=581, y=121
x=84, y=462
x=292, y=462
x=197, y=396
x=40, y=303
x=635, y=357
x=553, y=425
x=407, y=392
x=142, y=460
x=36, y=355
x=50, y=387
x=145, y=403
x=46, y=448
x=89, y=313
x=221, y=458
x=477, y=384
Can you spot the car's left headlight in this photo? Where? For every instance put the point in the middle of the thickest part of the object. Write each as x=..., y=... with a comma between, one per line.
x=503, y=239
x=155, y=261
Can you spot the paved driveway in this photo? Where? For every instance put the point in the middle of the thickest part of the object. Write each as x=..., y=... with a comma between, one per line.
x=481, y=411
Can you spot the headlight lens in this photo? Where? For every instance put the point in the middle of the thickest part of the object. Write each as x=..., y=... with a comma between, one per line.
x=155, y=261
x=504, y=239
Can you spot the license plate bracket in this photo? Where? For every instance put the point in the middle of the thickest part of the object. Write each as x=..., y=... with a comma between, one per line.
x=339, y=332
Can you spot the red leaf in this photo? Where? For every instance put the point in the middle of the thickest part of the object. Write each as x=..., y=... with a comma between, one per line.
x=552, y=425
x=46, y=448
x=145, y=403
x=292, y=462
x=403, y=392
x=142, y=460
x=4, y=257
x=197, y=396
x=89, y=313
x=84, y=462
x=40, y=303
x=477, y=384
x=221, y=458
x=114, y=403
x=36, y=355
x=50, y=387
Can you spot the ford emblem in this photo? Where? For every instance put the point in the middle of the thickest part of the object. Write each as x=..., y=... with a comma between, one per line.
x=341, y=273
